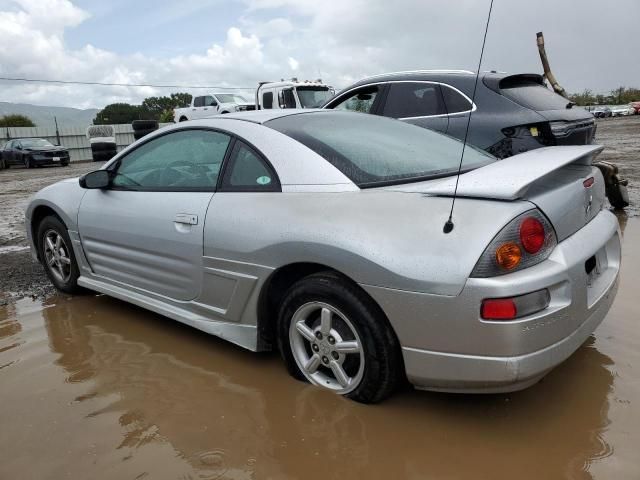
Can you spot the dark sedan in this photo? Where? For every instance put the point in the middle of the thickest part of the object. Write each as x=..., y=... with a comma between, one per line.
x=33, y=152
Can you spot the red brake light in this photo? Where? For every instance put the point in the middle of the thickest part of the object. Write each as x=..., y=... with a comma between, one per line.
x=588, y=182
x=498, y=309
x=532, y=234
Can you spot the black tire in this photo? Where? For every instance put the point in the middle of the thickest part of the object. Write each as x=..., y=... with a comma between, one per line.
x=49, y=224
x=138, y=134
x=28, y=162
x=103, y=156
x=65, y=164
x=383, y=369
x=103, y=147
x=144, y=125
x=183, y=119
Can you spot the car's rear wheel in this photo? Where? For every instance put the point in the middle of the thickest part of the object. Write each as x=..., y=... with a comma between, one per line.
x=56, y=253
x=333, y=336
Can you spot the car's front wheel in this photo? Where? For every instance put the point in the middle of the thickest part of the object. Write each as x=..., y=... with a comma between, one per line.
x=28, y=162
x=332, y=335
x=56, y=254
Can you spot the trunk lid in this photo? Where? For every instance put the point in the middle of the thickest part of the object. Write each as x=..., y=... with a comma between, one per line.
x=560, y=181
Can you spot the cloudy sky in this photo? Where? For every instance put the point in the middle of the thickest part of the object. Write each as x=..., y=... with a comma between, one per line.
x=591, y=43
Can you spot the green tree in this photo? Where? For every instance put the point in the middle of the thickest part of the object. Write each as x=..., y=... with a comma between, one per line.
x=16, y=120
x=155, y=107
x=116, y=113
x=166, y=116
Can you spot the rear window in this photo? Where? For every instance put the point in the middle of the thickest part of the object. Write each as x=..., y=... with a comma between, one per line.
x=535, y=96
x=374, y=151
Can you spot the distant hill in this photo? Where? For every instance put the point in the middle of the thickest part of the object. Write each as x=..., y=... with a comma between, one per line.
x=43, y=116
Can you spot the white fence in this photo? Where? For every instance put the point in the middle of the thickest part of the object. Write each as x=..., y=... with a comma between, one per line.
x=72, y=138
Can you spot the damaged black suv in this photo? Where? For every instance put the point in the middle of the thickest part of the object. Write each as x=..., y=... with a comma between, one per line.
x=511, y=113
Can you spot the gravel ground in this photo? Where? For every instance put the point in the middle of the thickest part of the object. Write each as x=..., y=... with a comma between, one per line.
x=20, y=276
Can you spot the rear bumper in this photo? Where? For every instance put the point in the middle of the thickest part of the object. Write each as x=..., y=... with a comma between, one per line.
x=37, y=160
x=447, y=346
x=482, y=374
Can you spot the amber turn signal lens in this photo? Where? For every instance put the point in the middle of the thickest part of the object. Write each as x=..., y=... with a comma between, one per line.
x=508, y=255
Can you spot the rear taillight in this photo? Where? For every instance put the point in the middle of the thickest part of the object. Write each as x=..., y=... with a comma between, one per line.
x=515, y=307
x=525, y=241
x=532, y=234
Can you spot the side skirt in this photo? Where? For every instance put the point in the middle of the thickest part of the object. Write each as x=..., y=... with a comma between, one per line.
x=245, y=336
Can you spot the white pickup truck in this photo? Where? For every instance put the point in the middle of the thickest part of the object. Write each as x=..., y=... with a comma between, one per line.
x=292, y=94
x=216, y=103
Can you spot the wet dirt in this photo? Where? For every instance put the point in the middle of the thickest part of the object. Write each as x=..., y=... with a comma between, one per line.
x=92, y=387
x=621, y=137
x=20, y=276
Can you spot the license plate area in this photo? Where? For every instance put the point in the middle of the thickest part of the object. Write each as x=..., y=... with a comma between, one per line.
x=56, y=159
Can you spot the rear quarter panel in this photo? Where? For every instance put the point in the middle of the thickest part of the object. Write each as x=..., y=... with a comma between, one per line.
x=375, y=237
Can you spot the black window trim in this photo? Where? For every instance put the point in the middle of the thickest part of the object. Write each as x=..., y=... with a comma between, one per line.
x=229, y=162
x=376, y=109
x=474, y=107
x=113, y=167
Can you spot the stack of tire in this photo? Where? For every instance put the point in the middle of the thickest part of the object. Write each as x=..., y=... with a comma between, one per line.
x=143, y=127
x=103, y=142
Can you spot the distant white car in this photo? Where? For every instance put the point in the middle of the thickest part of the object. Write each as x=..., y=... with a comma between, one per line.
x=217, y=103
x=622, y=110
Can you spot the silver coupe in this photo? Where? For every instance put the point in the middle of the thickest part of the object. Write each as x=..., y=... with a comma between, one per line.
x=320, y=233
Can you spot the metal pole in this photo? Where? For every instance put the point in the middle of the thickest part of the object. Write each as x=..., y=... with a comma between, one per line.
x=57, y=132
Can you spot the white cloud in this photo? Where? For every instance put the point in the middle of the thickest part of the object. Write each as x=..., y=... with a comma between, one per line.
x=338, y=40
x=293, y=64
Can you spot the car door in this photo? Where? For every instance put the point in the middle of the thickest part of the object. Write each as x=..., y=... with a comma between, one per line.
x=16, y=152
x=146, y=229
x=210, y=106
x=197, y=108
x=418, y=103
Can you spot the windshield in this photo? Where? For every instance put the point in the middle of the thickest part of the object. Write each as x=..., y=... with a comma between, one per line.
x=35, y=142
x=374, y=151
x=313, y=97
x=230, y=98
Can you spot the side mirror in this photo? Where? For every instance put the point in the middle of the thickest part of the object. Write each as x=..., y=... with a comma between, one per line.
x=99, y=179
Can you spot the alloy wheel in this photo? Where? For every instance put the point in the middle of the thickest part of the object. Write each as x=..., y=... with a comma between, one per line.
x=326, y=347
x=57, y=255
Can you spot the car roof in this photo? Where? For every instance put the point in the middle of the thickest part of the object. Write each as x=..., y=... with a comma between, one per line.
x=262, y=116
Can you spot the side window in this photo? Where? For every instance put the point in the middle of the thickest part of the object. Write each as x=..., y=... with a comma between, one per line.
x=414, y=99
x=267, y=100
x=455, y=101
x=184, y=160
x=209, y=101
x=198, y=102
x=248, y=172
x=287, y=100
x=359, y=101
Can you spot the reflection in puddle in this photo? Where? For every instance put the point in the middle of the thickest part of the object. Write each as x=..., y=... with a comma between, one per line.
x=95, y=388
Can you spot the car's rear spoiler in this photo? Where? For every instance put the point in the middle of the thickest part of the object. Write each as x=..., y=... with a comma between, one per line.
x=497, y=82
x=510, y=179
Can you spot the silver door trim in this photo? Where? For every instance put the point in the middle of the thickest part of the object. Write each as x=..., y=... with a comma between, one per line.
x=473, y=108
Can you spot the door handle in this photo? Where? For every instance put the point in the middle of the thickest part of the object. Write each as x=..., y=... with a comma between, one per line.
x=186, y=219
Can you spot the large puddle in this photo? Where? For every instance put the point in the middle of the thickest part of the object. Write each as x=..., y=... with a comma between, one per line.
x=91, y=387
